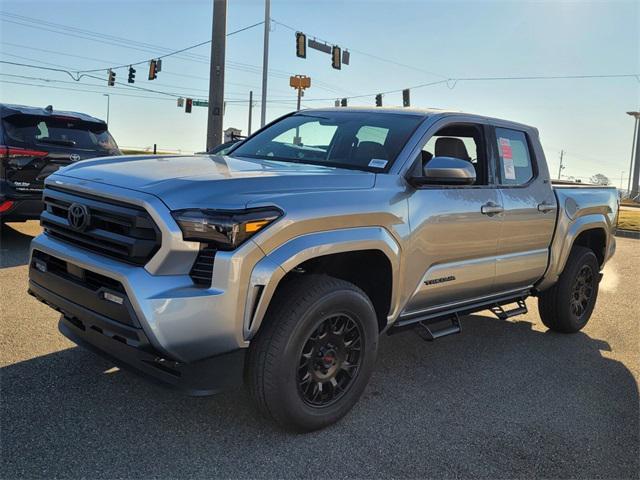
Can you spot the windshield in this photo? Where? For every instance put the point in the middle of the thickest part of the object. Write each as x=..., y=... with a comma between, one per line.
x=356, y=140
x=29, y=131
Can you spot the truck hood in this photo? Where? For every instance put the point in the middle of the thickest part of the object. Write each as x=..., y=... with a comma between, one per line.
x=214, y=181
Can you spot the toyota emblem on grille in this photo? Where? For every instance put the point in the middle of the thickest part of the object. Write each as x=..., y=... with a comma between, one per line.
x=74, y=157
x=78, y=216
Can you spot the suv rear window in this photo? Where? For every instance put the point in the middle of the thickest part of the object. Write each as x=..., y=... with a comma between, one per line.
x=29, y=131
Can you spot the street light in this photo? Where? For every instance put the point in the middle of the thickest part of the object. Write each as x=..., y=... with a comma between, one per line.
x=632, y=186
x=108, y=102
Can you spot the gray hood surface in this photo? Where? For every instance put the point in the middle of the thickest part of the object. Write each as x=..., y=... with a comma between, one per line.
x=203, y=181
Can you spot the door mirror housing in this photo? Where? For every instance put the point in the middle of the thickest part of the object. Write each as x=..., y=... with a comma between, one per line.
x=446, y=171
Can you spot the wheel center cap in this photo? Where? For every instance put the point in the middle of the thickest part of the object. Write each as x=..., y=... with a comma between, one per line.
x=329, y=358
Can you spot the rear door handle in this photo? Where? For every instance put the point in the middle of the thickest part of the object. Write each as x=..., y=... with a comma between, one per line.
x=546, y=207
x=490, y=208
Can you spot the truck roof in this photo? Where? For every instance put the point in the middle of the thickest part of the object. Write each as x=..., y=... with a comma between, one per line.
x=425, y=112
x=9, y=109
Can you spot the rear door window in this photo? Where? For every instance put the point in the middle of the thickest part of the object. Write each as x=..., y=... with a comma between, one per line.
x=28, y=131
x=515, y=162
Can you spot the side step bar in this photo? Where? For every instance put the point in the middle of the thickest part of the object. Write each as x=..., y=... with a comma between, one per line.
x=502, y=314
x=494, y=304
x=427, y=331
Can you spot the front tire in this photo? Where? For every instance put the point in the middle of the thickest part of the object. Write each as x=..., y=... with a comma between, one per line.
x=314, y=353
x=567, y=306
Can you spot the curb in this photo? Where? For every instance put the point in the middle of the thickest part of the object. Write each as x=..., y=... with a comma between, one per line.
x=628, y=234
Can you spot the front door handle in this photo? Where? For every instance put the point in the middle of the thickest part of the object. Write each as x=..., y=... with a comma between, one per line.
x=490, y=208
x=546, y=207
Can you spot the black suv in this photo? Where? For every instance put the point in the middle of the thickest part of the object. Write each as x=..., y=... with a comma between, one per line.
x=34, y=143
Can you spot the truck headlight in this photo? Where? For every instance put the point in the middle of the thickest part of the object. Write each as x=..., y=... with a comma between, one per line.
x=223, y=228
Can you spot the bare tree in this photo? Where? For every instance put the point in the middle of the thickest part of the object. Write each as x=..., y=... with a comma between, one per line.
x=600, y=179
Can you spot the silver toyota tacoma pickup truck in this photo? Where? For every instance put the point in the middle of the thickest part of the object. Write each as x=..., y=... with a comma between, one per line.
x=281, y=264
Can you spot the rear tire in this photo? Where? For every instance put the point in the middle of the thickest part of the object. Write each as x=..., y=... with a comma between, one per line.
x=314, y=353
x=567, y=306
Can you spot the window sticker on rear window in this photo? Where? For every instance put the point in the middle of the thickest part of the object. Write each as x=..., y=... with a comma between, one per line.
x=507, y=158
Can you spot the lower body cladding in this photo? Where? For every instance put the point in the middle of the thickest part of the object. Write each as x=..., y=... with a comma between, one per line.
x=20, y=209
x=93, y=295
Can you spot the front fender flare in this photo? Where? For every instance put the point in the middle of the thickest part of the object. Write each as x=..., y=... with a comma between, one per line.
x=270, y=270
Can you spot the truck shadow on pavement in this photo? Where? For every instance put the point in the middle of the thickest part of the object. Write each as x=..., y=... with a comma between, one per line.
x=14, y=247
x=500, y=400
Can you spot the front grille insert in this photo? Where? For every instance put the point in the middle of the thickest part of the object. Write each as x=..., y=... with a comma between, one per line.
x=202, y=270
x=118, y=230
x=86, y=288
x=86, y=278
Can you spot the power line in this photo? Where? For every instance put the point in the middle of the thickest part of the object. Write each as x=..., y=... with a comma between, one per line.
x=93, y=59
x=51, y=80
x=230, y=102
x=176, y=52
x=452, y=82
x=145, y=47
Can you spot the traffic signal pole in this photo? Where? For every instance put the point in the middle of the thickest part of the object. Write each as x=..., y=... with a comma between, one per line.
x=216, y=74
x=250, y=111
x=265, y=61
x=635, y=182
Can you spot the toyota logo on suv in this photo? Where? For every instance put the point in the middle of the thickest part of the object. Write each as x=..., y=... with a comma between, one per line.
x=74, y=157
x=78, y=217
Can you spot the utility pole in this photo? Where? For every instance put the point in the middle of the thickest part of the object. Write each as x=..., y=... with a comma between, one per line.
x=250, y=111
x=265, y=61
x=561, y=166
x=216, y=74
x=632, y=186
x=108, y=105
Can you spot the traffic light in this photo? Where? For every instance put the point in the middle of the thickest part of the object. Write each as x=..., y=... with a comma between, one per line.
x=132, y=75
x=337, y=103
x=379, y=100
x=111, y=81
x=406, y=100
x=153, y=70
x=343, y=102
x=336, y=57
x=188, y=105
x=180, y=102
x=301, y=45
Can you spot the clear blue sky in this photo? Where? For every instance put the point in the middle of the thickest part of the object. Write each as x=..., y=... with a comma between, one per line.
x=586, y=118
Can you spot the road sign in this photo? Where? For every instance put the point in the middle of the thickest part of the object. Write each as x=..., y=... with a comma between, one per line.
x=200, y=103
x=323, y=47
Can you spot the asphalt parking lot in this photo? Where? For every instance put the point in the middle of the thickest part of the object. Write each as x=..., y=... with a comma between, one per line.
x=504, y=399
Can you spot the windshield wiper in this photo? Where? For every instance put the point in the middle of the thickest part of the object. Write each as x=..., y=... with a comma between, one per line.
x=66, y=143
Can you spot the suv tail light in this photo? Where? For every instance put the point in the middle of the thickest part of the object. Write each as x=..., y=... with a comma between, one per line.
x=8, y=153
x=15, y=152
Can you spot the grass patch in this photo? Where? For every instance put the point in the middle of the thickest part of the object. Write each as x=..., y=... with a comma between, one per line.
x=629, y=220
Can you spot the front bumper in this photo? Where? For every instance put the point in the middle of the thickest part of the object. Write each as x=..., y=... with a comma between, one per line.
x=126, y=345
x=181, y=321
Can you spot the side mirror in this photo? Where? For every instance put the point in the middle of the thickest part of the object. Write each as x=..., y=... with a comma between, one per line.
x=446, y=171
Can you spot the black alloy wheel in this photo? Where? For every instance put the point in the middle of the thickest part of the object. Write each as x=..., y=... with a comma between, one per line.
x=329, y=361
x=582, y=291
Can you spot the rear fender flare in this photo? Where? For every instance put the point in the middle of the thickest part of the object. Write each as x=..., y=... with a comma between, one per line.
x=564, y=240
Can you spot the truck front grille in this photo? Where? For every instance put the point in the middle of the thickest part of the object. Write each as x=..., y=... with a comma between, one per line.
x=122, y=231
